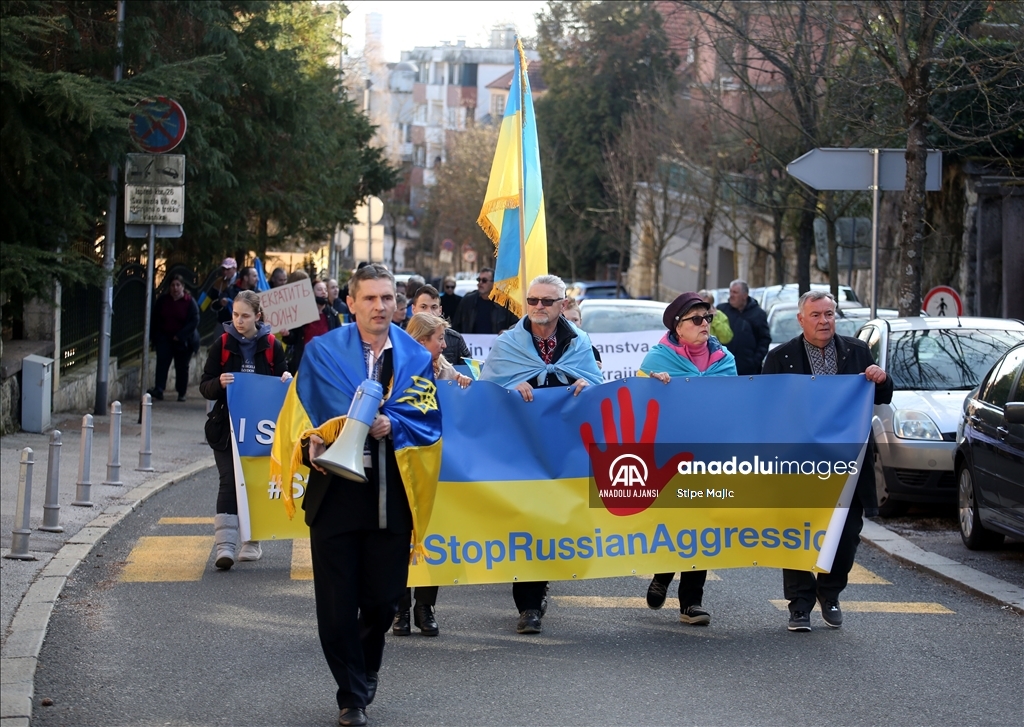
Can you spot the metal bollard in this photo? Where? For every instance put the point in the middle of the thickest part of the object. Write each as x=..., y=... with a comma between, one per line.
x=146, y=450
x=51, y=506
x=114, y=456
x=19, y=537
x=83, y=489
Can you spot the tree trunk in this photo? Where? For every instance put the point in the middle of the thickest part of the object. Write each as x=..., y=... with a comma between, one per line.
x=833, y=246
x=705, y=244
x=780, y=251
x=261, y=237
x=913, y=223
x=806, y=241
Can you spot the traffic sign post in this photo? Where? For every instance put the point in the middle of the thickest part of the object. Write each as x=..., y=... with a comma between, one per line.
x=154, y=191
x=869, y=169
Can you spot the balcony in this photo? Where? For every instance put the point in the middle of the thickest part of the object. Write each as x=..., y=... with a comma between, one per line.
x=461, y=96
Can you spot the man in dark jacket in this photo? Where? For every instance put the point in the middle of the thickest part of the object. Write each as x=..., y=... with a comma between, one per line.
x=819, y=351
x=478, y=314
x=174, y=329
x=749, y=324
x=428, y=301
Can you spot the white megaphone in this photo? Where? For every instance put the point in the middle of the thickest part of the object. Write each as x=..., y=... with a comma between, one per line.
x=344, y=457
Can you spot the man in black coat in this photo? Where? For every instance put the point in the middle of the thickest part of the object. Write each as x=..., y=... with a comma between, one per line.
x=749, y=323
x=478, y=314
x=819, y=351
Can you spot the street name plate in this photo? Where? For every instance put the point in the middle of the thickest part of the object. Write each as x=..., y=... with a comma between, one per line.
x=154, y=205
x=163, y=169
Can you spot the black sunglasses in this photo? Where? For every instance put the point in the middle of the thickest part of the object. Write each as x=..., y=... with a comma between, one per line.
x=697, y=320
x=483, y=280
x=449, y=286
x=546, y=302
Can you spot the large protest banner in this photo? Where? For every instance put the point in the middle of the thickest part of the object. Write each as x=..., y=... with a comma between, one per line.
x=629, y=477
x=621, y=353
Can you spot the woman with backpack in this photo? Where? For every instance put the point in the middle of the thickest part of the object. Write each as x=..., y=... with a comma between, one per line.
x=246, y=346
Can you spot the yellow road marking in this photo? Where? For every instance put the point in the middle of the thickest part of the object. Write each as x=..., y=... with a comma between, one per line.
x=302, y=560
x=862, y=576
x=185, y=521
x=880, y=606
x=712, y=576
x=168, y=558
x=600, y=601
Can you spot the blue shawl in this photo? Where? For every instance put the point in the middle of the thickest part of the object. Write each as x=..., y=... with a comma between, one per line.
x=514, y=359
x=662, y=359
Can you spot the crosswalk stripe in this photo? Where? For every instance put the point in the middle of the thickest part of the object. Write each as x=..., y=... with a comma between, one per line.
x=861, y=576
x=302, y=560
x=185, y=521
x=163, y=558
x=879, y=606
x=600, y=601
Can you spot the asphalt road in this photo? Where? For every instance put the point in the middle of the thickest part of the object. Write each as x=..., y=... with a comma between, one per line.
x=240, y=648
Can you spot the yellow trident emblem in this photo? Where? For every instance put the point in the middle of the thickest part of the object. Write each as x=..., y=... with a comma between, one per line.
x=422, y=395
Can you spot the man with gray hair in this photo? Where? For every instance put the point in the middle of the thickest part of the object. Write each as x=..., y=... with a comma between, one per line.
x=818, y=351
x=541, y=351
x=749, y=324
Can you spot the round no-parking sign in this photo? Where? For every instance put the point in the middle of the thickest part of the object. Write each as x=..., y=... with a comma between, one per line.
x=157, y=125
x=942, y=301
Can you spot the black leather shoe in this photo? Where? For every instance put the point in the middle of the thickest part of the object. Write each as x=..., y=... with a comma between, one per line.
x=529, y=622
x=423, y=615
x=371, y=686
x=155, y=394
x=352, y=717
x=401, y=625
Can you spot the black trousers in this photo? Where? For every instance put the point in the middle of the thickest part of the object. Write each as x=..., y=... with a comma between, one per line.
x=358, y=578
x=691, y=586
x=227, y=500
x=425, y=596
x=802, y=588
x=529, y=594
x=167, y=350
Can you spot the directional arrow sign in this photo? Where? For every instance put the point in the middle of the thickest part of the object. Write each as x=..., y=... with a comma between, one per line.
x=852, y=169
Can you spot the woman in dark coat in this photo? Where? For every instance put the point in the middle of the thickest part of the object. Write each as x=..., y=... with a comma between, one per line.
x=246, y=346
x=174, y=329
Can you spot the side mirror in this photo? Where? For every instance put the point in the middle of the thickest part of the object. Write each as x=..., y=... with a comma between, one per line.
x=1014, y=412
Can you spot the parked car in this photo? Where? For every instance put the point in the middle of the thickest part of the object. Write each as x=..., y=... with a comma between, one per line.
x=989, y=458
x=933, y=363
x=790, y=293
x=465, y=286
x=604, y=315
x=851, y=316
x=584, y=289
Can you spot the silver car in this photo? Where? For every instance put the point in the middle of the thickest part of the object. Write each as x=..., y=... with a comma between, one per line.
x=610, y=315
x=934, y=363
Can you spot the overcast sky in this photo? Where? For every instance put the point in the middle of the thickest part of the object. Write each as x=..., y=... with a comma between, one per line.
x=427, y=23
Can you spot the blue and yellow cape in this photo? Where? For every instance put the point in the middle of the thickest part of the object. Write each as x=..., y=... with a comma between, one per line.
x=333, y=366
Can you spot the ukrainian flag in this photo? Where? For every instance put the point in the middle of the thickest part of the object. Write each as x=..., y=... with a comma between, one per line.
x=515, y=182
x=318, y=399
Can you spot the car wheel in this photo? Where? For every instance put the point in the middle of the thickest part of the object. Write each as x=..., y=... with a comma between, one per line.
x=887, y=507
x=972, y=532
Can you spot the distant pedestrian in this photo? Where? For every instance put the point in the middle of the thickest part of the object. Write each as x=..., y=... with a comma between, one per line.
x=749, y=325
x=335, y=300
x=478, y=314
x=278, y=278
x=401, y=310
x=175, y=334
x=220, y=290
x=247, y=346
x=720, y=328
x=449, y=300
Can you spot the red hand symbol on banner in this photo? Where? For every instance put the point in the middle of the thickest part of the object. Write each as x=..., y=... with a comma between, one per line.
x=621, y=492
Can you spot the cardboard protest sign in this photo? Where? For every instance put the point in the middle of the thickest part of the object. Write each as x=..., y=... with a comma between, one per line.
x=289, y=306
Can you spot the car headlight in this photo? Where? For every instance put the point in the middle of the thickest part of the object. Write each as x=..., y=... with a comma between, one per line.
x=911, y=424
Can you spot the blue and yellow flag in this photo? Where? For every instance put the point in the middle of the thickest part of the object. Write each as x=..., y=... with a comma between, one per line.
x=515, y=180
x=318, y=399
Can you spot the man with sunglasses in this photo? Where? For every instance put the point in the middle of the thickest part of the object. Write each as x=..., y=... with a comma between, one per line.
x=477, y=313
x=542, y=351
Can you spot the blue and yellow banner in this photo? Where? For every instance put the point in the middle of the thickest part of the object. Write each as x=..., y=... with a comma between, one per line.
x=516, y=167
x=629, y=477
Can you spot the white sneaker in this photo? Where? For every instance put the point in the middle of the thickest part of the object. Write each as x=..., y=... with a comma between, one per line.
x=251, y=550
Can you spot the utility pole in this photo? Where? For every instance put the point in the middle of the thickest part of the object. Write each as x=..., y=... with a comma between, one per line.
x=107, y=304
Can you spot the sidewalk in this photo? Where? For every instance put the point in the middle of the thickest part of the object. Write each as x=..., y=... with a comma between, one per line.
x=28, y=589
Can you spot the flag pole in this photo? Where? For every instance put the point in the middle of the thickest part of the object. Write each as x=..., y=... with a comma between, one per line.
x=522, y=198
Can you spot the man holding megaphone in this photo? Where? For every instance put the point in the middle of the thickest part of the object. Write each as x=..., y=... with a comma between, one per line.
x=373, y=474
